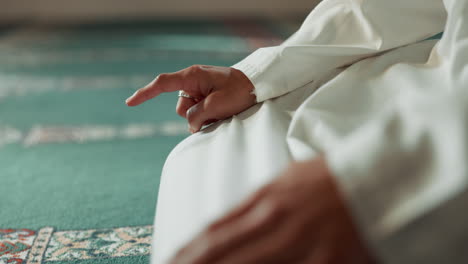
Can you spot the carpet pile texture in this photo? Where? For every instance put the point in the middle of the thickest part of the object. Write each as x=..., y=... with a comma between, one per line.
x=79, y=171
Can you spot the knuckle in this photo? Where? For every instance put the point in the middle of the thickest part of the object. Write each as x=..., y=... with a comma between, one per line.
x=211, y=103
x=161, y=77
x=195, y=69
x=191, y=115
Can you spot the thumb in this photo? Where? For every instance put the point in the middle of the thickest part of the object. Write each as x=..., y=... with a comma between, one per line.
x=202, y=113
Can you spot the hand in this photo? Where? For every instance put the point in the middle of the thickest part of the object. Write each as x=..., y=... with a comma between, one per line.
x=298, y=218
x=218, y=93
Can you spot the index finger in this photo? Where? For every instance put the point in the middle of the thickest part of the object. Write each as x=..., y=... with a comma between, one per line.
x=166, y=82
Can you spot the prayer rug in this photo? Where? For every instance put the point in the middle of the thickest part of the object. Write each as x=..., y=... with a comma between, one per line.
x=79, y=171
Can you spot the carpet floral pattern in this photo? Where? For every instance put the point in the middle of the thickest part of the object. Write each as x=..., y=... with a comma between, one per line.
x=24, y=246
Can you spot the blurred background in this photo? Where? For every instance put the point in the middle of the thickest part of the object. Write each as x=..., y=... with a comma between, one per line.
x=77, y=166
x=92, y=10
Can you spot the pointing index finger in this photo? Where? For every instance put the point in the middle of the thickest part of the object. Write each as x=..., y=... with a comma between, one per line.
x=167, y=82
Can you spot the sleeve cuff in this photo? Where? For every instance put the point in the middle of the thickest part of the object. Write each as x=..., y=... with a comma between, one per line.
x=254, y=67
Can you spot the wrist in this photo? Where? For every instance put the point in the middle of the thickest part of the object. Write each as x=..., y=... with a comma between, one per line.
x=245, y=84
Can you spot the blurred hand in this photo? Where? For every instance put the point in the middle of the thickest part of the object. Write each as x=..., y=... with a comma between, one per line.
x=218, y=93
x=298, y=218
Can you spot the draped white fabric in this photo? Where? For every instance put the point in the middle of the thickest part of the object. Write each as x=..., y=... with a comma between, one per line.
x=388, y=110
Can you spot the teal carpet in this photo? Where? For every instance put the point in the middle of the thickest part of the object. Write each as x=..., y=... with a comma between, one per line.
x=79, y=171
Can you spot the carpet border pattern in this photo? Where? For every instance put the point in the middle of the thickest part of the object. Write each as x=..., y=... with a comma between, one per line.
x=26, y=246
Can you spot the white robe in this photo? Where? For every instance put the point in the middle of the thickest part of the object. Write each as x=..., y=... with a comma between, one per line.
x=387, y=109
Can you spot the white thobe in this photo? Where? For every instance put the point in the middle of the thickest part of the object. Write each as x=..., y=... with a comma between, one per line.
x=357, y=83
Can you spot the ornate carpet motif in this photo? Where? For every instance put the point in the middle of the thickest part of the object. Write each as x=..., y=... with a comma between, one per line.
x=15, y=245
x=24, y=246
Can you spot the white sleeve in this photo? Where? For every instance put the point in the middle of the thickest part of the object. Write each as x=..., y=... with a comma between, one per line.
x=337, y=33
x=405, y=174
